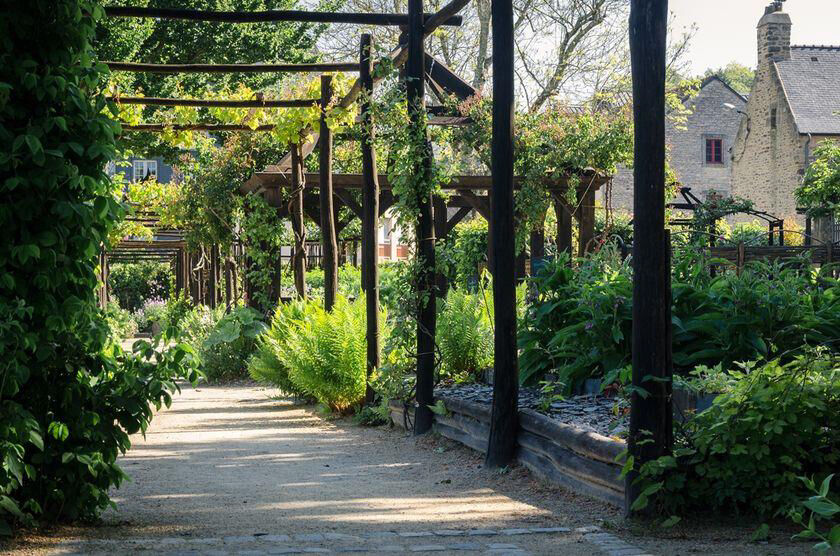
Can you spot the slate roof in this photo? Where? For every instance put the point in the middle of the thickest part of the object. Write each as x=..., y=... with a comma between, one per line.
x=811, y=80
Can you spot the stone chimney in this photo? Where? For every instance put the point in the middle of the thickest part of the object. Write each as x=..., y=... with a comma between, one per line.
x=773, y=35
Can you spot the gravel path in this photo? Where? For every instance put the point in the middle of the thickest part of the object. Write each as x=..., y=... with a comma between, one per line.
x=229, y=470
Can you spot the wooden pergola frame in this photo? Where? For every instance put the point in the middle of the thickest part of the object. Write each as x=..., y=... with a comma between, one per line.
x=650, y=415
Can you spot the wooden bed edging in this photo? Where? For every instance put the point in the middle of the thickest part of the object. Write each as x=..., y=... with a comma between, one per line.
x=579, y=460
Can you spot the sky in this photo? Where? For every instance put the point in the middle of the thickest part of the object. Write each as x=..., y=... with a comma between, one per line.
x=726, y=28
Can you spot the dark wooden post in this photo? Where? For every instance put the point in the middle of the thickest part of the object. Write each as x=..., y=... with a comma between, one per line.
x=212, y=277
x=563, y=240
x=370, y=213
x=229, y=296
x=328, y=240
x=425, y=232
x=504, y=419
x=440, y=217
x=651, y=427
x=586, y=219
x=537, y=246
x=299, y=262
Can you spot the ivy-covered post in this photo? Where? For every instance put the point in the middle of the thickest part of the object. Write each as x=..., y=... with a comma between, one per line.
x=563, y=241
x=424, y=231
x=504, y=418
x=325, y=167
x=651, y=427
x=298, y=227
x=370, y=213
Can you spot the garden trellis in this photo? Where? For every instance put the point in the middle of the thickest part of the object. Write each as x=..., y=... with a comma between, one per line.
x=651, y=340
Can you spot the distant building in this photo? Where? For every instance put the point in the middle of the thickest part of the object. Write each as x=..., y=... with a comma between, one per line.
x=794, y=104
x=138, y=169
x=698, y=144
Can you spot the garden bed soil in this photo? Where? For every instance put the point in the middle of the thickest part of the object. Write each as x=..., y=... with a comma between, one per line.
x=591, y=412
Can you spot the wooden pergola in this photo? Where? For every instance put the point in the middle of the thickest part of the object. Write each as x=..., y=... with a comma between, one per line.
x=650, y=426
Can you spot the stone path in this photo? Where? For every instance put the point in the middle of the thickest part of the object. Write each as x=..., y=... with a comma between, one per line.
x=229, y=470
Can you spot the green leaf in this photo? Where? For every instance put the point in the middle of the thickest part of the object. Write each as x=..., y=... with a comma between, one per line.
x=761, y=533
x=821, y=506
x=36, y=439
x=671, y=521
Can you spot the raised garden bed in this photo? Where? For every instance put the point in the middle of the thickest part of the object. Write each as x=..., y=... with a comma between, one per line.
x=581, y=460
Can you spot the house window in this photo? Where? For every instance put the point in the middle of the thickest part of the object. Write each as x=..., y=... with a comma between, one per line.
x=774, y=118
x=144, y=169
x=714, y=151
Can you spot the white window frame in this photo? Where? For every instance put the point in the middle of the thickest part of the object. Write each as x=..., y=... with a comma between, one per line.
x=145, y=167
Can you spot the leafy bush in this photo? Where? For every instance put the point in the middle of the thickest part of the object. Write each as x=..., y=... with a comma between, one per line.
x=775, y=423
x=349, y=281
x=464, y=336
x=579, y=325
x=820, y=190
x=197, y=325
x=176, y=310
x=121, y=322
x=134, y=283
x=153, y=312
x=468, y=250
x=225, y=351
x=67, y=405
x=325, y=353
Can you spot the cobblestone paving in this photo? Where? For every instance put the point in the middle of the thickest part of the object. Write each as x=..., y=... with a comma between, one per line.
x=446, y=541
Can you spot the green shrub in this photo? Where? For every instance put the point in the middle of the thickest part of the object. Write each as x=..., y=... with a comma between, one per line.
x=134, y=283
x=464, y=336
x=775, y=423
x=224, y=352
x=151, y=314
x=120, y=321
x=349, y=281
x=198, y=323
x=67, y=403
x=580, y=323
x=176, y=310
x=325, y=354
x=266, y=365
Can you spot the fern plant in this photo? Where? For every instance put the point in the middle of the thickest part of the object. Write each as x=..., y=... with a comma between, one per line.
x=464, y=336
x=325, y=353
x=265, y=365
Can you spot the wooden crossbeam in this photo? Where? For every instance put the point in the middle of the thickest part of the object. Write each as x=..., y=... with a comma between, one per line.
x=299, y=16
x=447, y=80
x=160, y=127
x=157, y=128
x=221, y=103
x=396, y=57
x=233, y=68
x=263, y=180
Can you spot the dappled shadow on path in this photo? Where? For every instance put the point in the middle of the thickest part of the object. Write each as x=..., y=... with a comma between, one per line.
x=234, y=460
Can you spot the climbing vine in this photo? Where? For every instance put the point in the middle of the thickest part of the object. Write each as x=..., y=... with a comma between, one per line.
x=556, y=145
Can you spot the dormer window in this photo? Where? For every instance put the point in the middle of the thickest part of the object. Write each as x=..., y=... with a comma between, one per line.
x=714, y=150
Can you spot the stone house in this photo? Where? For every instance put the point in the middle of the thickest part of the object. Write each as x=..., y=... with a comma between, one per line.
x=698, y=142
x=794, y=104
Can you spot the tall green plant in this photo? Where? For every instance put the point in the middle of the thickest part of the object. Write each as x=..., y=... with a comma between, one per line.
x=67, y=405
x=325, y=354
x=465, y=336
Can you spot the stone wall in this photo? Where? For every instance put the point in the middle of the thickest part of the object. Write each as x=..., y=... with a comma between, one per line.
x=686, y=139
